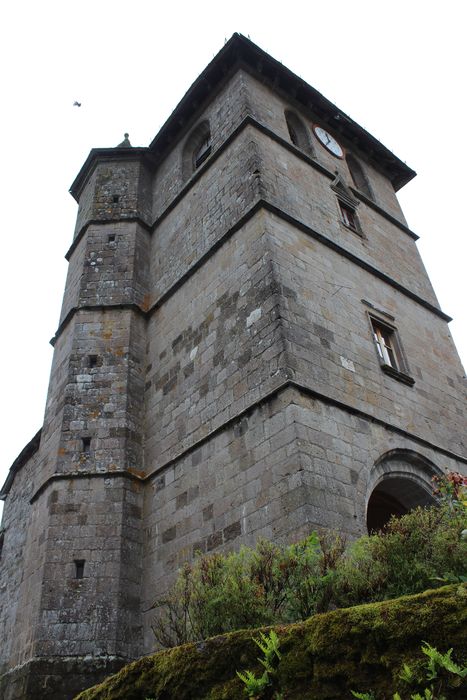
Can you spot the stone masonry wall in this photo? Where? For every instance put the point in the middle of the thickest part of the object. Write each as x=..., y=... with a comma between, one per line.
x=304, y=193
x=290, y=465
x=104, y=402
x=98, y=520
x=221, y=196
x=242, y=483
x=214, y=378
x=226, y=110
x=210, y=357
x=15, y=525
x=108, y=266
x=116, y=189
x=332, y=351
x=268, y=106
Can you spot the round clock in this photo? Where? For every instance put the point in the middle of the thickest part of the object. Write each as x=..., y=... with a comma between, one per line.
x=328, y=141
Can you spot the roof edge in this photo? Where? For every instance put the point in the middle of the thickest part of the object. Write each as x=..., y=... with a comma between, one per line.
x=242, y=51
x=104, y=154
x=26, y=453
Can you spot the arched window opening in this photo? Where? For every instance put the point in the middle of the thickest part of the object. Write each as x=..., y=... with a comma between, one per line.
x=395, y=495
x=298, y=132
x=197, y=149
x=358, y=176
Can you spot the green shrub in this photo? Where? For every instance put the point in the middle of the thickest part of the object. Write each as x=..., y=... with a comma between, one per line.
x=323, y=658
x=275, y=584
x=439, y=671
x=249, y=588
x=417, y=551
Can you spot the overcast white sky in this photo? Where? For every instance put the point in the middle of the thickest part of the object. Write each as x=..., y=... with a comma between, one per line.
x=397, y=68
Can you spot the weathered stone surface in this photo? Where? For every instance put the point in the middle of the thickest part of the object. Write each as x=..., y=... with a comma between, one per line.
x=215, y=377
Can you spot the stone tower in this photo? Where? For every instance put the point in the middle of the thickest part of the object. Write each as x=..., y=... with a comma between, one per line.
x=249, y=346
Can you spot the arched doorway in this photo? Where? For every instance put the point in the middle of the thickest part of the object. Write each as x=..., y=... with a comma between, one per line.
x=401, y=482
x=394, y=496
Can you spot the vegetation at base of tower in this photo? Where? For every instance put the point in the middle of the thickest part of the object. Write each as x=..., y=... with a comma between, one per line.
x=360, y=648
x=279, y=584
x=253, y=587
x=262, y=686
x=439, y=671
x=439, y=674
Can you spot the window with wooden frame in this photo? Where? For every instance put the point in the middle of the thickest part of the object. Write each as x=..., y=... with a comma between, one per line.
x=347, y=205
x=349, y=217
x=389, y=351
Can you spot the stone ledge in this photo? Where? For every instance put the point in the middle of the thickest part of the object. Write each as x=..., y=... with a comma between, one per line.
x=324, y=658
x=56, y=678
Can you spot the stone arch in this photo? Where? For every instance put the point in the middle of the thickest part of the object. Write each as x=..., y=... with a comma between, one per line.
x=358, y=176
x=196, y=149
x=298, y=132
x=400, y=481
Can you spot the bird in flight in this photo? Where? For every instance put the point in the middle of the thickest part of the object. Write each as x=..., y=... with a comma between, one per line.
x=76, y=104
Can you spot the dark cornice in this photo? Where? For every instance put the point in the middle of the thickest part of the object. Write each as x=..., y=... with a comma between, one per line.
x=266, y=398
x=262, y=203
x=25, y=454
x=240, y=51
x=247, y=121
x=257, y=206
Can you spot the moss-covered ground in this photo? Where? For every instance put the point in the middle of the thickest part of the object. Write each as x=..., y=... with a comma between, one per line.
x=360, y=648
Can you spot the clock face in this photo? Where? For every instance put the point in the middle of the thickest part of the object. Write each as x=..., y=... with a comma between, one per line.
x=328, y=141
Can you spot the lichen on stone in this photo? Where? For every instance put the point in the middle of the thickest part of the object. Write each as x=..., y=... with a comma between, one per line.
x=324, y=658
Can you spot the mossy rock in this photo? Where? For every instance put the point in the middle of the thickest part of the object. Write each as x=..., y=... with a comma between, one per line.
x=360, y=648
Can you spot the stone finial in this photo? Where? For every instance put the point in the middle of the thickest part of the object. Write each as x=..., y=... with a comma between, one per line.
x=125, y=143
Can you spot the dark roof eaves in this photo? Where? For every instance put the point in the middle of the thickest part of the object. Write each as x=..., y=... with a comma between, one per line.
x=109, y=154
x=26, y=453
x=240, y=50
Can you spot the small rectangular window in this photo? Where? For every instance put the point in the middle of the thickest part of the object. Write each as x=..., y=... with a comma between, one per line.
x=385, y=340
x=86, y=445
x=349, y=217
x=92, y=361
x=115, y=198
x=79, y=568
x=390, y=351
x=111, y=238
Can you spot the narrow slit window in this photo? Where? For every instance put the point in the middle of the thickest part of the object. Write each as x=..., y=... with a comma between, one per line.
x=92, y=361
x=79, y=568
x=86, y=445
